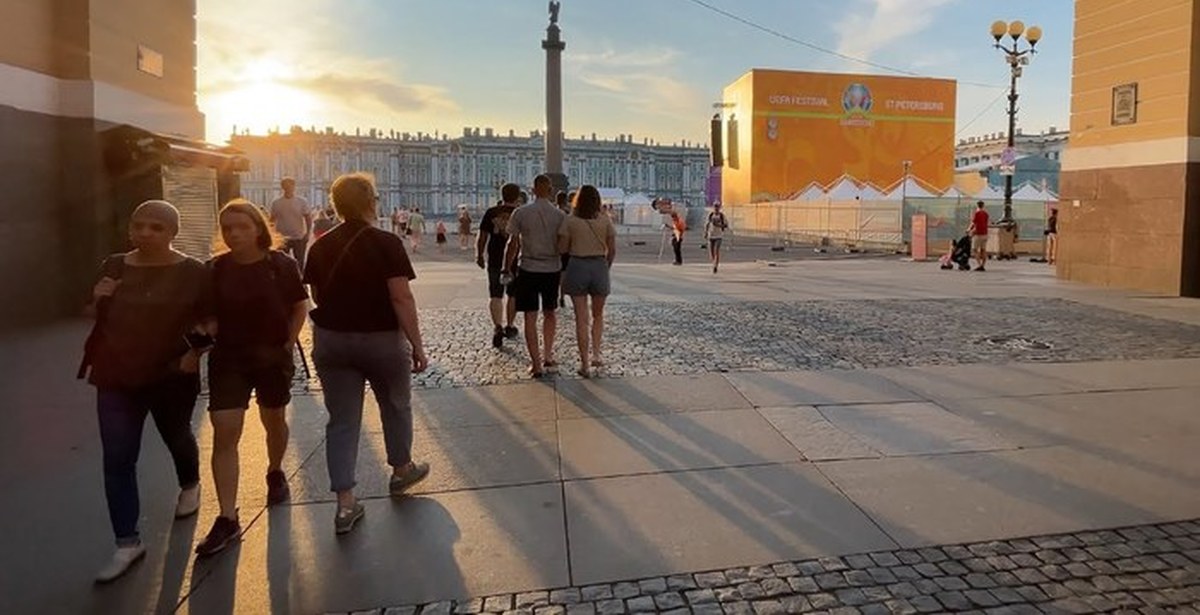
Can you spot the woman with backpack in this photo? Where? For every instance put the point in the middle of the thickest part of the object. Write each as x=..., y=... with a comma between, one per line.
x=260, y=306
x=144, y=359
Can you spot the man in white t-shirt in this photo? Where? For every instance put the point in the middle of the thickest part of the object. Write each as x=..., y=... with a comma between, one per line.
x=293, y=219
x=533, y=234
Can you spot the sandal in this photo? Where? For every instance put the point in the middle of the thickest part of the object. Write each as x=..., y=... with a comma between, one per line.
x=536, y=374
x=583, y=373
x=550, y=364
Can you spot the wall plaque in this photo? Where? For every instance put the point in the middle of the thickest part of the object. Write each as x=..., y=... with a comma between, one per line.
x=1124, y=104
x=150, y=61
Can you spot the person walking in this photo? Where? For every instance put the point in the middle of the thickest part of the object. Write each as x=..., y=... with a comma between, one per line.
x=678, y=228
x=464, y=227
x=365, y=331
x=979, y=235
x=293, y=219
x=441, y=237
x=1052, y=236
x=591, y=239
x=400, y=221
x=714, y=232
x=143, y=356
x=533, y=234
x=489, y=251
x=260, y=305
x=416, y=228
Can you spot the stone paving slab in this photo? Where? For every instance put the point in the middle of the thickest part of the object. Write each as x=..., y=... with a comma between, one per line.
x=510, y=403
x=472, y=457
x=914, y=428
x=292, y=562
x=1106, y=424
x=646, y=395
x=665, y=442
x=1138, y=569
x=981, y=381
x=1113, y=375
x=923, y=501
x=807, y=388
x=663, y=523
x=815, y=436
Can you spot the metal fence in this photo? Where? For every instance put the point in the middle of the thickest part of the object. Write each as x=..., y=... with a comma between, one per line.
x=871, y=224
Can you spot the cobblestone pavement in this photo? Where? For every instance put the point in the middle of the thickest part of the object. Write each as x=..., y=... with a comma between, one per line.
x=690, y=338
x=1144, y=569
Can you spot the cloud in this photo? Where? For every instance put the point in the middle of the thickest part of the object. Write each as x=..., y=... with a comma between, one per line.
x=644, y=58
x=641, y=79
x=241, y=43
x=865, y=31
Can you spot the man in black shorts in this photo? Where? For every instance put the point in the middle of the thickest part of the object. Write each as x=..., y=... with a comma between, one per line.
x=493, y=238
x=533, y=233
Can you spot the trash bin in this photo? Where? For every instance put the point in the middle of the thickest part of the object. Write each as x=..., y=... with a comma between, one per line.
x=1007, y=241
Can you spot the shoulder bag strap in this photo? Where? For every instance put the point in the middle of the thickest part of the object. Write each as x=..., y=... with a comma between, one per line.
x=346, y=250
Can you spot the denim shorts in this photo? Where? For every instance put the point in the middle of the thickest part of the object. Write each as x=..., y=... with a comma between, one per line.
x=586, y=275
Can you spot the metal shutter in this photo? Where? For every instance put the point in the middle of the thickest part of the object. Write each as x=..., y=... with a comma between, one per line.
x=193, y=190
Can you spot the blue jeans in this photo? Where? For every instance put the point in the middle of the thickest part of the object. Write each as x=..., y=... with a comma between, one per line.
x=122, y=415
x=345, y=362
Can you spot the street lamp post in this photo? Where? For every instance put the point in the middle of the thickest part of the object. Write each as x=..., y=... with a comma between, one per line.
x=1016, y=58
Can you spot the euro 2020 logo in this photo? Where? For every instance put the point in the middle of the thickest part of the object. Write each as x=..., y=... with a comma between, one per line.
x=857, y=99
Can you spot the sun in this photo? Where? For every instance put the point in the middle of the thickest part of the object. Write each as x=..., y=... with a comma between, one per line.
x=264, y=98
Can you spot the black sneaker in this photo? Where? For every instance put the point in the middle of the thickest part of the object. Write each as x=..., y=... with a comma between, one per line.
x=498, y=338
x=278, y=491
x=224, y=532
x=510, y=332
x=347, y=518
x=413, y=474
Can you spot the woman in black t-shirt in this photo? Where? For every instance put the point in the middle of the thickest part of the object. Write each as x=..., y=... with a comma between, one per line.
x=260, y=307
x=142, y=362
x=365, y=330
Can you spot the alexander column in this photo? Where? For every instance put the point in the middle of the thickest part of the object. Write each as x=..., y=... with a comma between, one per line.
x=554, y=46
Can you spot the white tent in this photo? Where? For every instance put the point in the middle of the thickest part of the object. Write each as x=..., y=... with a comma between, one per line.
x=844, y=189
x=953, y=193
x=813, y=192
x=1029, y=192
x=909, y=188
x=611, y=195
x=870, y=193
x=989, y=193
x=637, y=199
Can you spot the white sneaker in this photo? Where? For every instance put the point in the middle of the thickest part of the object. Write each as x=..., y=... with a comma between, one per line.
x=189, y=502
x=122, y=560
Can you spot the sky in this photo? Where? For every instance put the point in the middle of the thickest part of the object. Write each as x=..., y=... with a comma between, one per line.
x=650, y=68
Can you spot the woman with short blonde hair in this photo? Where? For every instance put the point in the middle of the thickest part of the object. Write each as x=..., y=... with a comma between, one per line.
x=365, y=329
x=353, y=197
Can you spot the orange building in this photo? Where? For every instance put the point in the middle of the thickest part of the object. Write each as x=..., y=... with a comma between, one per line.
x=785, y=130
x=1130, y=214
